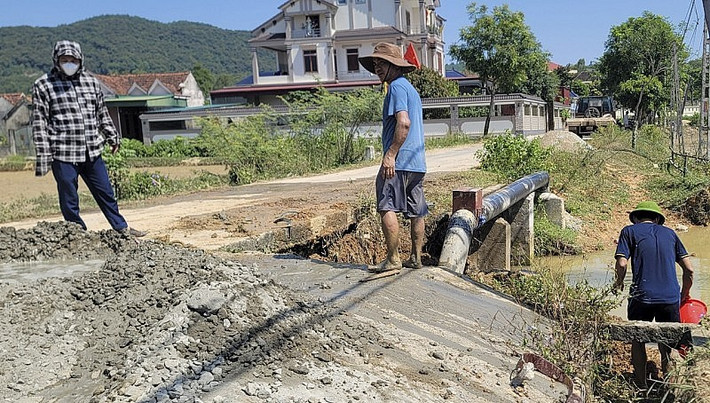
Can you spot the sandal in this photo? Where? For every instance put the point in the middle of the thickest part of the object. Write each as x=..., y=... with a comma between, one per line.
x=412, y=264
x=384, y=266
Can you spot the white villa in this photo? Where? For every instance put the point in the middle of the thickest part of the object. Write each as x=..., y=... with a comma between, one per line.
x=318, y=42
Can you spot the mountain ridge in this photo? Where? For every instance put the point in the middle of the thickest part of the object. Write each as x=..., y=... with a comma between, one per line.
x=119, y=44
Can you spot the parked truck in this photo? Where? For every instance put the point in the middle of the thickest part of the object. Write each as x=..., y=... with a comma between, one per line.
x=592, y=112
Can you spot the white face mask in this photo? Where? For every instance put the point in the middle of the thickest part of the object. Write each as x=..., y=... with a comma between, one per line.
x=69, y=68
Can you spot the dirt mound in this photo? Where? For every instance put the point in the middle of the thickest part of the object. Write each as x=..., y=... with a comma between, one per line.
x=155, y=323
x=563, y=140
x=697, y=208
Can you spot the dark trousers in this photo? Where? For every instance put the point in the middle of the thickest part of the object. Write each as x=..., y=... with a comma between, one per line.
x=96, y=179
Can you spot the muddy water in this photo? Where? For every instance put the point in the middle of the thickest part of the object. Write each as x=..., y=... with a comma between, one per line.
x=598, y=268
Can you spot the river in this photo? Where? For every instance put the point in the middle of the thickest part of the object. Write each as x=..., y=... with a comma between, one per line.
x=598, y=267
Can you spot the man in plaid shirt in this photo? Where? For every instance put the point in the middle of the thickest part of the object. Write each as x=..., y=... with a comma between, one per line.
x=70, y=124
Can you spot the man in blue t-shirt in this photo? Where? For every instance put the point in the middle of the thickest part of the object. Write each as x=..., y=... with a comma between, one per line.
x=399, y=182
x=655, y=293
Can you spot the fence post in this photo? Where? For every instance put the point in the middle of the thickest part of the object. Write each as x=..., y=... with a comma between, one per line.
x=11, y=141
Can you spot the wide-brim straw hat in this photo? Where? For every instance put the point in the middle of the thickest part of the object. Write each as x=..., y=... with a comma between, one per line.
x=648, y=206
x=391, y=53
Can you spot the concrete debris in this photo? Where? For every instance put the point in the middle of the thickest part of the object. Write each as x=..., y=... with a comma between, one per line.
x=161, y=323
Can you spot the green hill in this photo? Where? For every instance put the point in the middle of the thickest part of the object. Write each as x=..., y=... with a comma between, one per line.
x=124, y=44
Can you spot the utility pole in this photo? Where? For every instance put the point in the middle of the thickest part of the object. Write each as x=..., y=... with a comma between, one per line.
x=703, y=132
x=677, y=108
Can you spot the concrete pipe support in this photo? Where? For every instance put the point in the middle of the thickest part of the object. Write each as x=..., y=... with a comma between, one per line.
x=463, y=223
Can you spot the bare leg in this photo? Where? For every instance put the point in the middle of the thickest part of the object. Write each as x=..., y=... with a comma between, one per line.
x=390, y=228
x=638, y=359
x=417, y=234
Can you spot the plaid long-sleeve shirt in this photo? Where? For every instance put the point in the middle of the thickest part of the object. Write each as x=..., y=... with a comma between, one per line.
x=69, y=119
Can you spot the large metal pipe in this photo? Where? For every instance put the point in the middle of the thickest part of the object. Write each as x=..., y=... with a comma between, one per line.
x=464, y=222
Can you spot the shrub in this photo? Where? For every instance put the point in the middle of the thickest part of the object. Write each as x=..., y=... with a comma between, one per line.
x=551, y=239
x=512, y=157
x=694, y=119
x=137, y=148
x=179, y=147
x=574, y=340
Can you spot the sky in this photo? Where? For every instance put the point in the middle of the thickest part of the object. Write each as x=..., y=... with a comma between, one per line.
x=568, y=30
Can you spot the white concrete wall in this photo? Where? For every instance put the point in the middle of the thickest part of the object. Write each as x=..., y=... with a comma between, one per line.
x=323, y=55
x=192, y=91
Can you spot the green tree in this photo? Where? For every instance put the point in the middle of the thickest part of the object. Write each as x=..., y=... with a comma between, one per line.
x=224, y=80
x=540, y=82
x=693, y=71
x=205, y=79
x=636, y=66
x=501, y=48
x=431, y=84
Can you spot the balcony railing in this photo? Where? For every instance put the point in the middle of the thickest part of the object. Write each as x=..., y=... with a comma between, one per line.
x=362, y=75
x=305, y=33
x=274, y=80
x=436, y=30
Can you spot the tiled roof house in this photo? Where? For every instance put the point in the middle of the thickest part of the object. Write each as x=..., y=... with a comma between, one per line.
x=130, y=95
x=181, y=84
x=15, y=111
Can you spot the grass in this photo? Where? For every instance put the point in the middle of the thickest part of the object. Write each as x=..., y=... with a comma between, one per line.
x=450, y=140
x=48, y=205
x=14, y=163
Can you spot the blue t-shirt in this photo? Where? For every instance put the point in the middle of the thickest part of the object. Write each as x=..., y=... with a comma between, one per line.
x=402, y=96
x=653, y=250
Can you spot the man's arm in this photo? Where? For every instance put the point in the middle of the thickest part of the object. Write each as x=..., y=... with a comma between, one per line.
x=401, y=130
x=105, y=123
x=620, y=268
x=687, y=278
x=40, y=134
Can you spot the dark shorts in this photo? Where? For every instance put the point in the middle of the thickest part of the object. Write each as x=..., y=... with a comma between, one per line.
x=403, y=193
x=638, y=310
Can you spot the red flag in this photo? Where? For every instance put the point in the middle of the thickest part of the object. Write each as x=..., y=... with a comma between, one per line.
x=411, y=56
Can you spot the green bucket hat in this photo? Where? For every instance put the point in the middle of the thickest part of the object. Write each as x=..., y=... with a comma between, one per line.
x=648, y=206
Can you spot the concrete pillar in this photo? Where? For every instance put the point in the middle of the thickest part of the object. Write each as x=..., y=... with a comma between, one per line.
x=254, y=65
x=369, y=153
x=491, y=247
x=422, y=18
x=425, y=57
x=11, y=141
x=331, y=74
x=554, y=207
x=521, y=216
x=289, y=27
x=519, y=125
x=397, y=14
x=290, y=57
x=470, y=199
x=455, y=125
x=328, y=26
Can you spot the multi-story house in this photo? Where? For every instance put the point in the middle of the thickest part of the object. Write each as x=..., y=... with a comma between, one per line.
x=318, y=42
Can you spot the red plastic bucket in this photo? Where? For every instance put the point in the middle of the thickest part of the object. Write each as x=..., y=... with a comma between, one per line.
x=693, y=311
